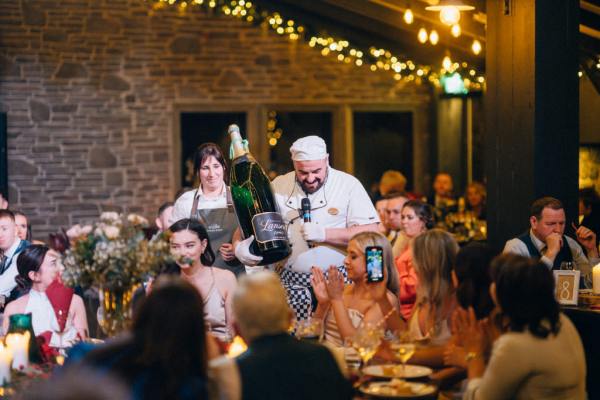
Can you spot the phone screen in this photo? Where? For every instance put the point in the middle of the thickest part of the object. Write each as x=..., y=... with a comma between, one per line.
x=374, y=257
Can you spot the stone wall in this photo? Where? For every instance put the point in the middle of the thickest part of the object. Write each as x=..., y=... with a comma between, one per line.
x=91, y=89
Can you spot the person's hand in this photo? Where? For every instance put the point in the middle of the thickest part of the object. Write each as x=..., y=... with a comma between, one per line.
x=554, y=243
x=455, y=355
x=242, y=252
x=587, y=238
x=319, y=285
x=3, y=203
x=335, y=283
x=313, y=232
x=469, y=331
x=227, y=251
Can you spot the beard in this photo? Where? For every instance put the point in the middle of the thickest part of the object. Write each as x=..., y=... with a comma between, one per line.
x=312, y=189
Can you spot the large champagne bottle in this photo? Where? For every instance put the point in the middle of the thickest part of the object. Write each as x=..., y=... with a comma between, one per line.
x=254, y=203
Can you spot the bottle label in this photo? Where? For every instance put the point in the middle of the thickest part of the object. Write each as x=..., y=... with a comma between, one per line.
x=268, y=227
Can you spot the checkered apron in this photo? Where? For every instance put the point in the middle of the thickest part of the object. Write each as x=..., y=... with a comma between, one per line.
x=297, y=286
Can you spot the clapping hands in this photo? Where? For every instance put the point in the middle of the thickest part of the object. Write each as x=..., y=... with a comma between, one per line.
x=330, y=288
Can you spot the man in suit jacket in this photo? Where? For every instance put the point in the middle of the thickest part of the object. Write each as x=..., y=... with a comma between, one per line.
x=277, y=365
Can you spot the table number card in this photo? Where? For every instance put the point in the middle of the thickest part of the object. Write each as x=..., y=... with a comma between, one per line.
x=567, y=286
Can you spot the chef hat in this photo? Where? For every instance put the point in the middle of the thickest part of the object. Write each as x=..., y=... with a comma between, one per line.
x=309, y=148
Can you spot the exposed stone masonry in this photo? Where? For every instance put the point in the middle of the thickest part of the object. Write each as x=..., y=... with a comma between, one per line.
x=89, y=87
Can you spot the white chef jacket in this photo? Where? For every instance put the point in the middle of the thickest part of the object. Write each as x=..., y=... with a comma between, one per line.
x=341, y=202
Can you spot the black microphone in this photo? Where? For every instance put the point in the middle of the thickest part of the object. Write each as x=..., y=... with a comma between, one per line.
x=305, y=204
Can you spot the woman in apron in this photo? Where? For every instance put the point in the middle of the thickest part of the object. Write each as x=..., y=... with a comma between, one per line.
x=211, y=205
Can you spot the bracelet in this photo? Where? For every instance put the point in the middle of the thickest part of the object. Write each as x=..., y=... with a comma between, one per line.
x=471, y=355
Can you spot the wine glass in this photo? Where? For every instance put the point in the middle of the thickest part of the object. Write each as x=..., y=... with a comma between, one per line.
x=404, y=348
x=366, y=341
x=309, y=329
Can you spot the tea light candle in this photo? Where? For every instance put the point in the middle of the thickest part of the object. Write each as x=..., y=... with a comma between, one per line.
x=596, y=278
x=5, y=360
x=237, y=347
x=19, y=346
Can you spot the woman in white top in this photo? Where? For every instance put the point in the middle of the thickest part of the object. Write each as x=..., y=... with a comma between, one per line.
x=344, y=308
x=539, y=355
x=37, y=266
x=211, y=205
x=433, y=255
x=190, y=245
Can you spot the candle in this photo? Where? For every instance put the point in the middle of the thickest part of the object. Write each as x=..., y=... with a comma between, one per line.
x=60, y=360
x=19, y=346
x=5, y=360
x=596, y=278
x=237, y=347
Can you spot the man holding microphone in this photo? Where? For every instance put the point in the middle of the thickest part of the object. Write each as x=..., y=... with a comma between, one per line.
x=322, y=208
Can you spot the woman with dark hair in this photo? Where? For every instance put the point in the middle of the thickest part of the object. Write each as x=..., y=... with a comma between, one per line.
x=417, y=217
x=539, y=355
x=56, y=312
x=166, y=354
x=190, y=244
x=211, y=204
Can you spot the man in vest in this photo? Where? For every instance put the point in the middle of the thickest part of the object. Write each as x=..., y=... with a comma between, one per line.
x=546, y=239
x=10, y=247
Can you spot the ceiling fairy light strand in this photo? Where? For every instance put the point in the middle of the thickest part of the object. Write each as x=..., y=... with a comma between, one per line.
x=374, y=58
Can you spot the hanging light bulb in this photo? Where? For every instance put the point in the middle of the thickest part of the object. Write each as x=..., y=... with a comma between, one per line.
x=408, y=16
x=434, y=38
x=450, y=10
x=422, y=36
x=476, y=47
x=447, y=63
x=455, y=30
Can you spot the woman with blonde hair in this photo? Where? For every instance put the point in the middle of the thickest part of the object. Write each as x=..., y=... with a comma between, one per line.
x=344, y=308
x=434, y=254
x=476, y=196
x=392, y=181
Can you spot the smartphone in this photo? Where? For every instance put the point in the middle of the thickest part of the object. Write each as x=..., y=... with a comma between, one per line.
x=374, y=258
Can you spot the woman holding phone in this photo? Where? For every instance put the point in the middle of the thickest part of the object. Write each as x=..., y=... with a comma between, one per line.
x=368, y=299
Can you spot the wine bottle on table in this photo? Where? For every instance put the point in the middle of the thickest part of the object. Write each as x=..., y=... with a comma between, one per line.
x=254, y=203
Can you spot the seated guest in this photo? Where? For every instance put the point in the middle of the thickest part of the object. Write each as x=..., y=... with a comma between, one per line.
x=23, y=227
x=471, y=277
x=344, y=308
x=191, y=246
x=380, y=206
x=276, y=365
x=476, y=196
x=434, y=254
x=539, y=355
x=416, y=219
x=56, y=312
x=589, y=209
x=547, y=241
x=10, y=247
x=166, y=355
x=442, y=199
x=392, y=181
x=164, y=218
x=393, y=218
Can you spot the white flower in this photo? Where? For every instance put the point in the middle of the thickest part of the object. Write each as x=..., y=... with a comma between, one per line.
x=136, y=219
x=111, y=232
x=86, y=229
x=74, y=232
x=110, y=216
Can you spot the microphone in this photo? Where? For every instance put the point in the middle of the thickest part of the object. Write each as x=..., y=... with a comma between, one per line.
x=305, y=204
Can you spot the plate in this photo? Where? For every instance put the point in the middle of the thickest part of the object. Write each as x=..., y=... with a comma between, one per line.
x=398, y=388
x=396, y=371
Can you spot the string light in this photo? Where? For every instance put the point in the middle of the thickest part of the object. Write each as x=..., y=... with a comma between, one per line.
x=434, y=38
x=408, y=16
x=476, y=47
x=455, y=30
x=422, y=35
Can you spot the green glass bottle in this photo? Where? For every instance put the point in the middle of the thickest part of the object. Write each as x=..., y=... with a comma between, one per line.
x=254, y=203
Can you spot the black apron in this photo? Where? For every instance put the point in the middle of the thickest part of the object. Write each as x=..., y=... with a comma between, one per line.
x=220, y=224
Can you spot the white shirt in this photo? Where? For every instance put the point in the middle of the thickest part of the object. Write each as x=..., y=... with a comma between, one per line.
x=341, y=202
x=7, y=279
x=583, y=264
x=43, y=319
x=183, y=205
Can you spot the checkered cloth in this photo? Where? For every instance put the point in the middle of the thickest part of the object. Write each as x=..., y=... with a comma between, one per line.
x=297, y=285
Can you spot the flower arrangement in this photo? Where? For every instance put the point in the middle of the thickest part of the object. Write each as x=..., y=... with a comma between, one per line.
x=114, y=253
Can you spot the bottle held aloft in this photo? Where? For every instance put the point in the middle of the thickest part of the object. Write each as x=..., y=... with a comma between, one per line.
x=255, y=204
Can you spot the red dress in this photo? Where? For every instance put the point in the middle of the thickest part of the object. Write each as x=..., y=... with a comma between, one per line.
x=407, y=278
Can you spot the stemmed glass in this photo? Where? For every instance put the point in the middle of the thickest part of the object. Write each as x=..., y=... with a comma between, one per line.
x=366, y=341
x=309, y=329
x=404, y=348
x=62, y=318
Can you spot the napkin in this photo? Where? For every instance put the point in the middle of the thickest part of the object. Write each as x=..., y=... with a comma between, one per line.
x=60, y=297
